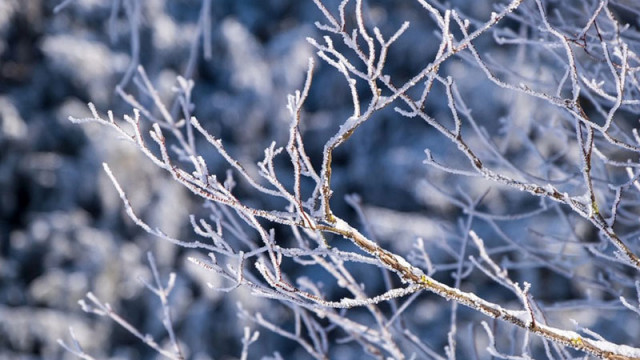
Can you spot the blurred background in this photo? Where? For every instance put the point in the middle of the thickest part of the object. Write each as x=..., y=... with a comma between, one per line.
x=63, y=231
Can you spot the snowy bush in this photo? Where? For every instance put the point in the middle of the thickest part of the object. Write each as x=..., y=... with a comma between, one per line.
x=444, y=180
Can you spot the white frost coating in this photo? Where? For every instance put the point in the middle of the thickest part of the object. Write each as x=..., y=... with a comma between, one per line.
x=349, y=303
x=520, y=314
x=564, y=333
x=405, y=264
x=343, y=226
x=391, y=294
x=624, y=350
